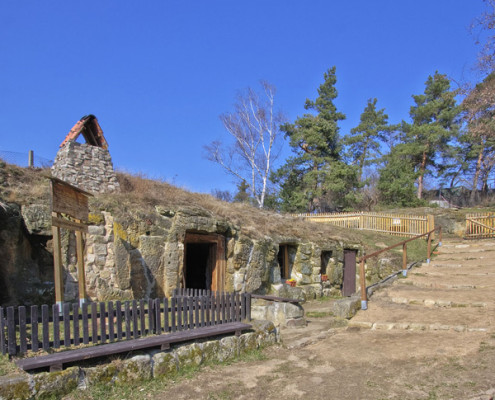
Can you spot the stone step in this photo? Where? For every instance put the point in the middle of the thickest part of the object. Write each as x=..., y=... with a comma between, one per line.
x=441, y=285
x=466, y=262
x=438, y=297
x=475, y=255
x=415, y=326
x=380, y=310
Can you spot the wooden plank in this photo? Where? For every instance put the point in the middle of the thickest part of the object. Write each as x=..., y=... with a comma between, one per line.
x=103, y=324
x=70, y=200
x=184, y=312
x=75, y=323
x=56, y=326
x=190, y=306
x=166, y=327
x=202, y=302
x=94, y=324
x=66, y=319
x=111, y=322
x=179, y=313
x=158, y=323
x=85, y=324
x=81, y=275
x=118, y=311
x=151, y=322
x=22, y=329
x=228, y=307
x=57, y=264
x=248, y=306
x=243, y=306
x=135, y=328
x=35, y=343
x=11, y=339
x=3, y=344
x=45, y=322
x=60, y=222
x=173, y=311
x=126, y=346
x=142, y=317
x=237, y=307
x=127, y=319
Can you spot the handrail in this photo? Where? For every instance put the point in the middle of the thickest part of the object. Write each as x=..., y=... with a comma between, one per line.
x=362, y=273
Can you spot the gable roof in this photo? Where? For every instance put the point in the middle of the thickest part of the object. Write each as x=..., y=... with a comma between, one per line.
x=90, y=129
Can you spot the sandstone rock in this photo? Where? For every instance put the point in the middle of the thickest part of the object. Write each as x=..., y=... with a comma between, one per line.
x=347, y=307
x=38, y=219
x=137, y=368
x=17, y=387
x=164, y=363
x=56, y=384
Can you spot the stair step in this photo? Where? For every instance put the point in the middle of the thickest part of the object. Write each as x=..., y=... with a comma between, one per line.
x=437, y=302
x=415, y=326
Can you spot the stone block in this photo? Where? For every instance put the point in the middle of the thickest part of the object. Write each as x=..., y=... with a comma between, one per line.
x=164, y=363
x=96, y=230
x=17, y=387
x=347, y=307
x=229, y=348
x=135, y=369
x=56, y=384
x=189, y=355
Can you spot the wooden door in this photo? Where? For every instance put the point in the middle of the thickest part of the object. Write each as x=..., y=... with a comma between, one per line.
x=349, y=284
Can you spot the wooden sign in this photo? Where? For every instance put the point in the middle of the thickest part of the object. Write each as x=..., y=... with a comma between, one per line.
x=67, y=199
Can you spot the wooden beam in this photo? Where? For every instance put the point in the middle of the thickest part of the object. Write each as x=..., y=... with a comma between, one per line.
x=57, y=264
x=68, y=224
x=81, y=275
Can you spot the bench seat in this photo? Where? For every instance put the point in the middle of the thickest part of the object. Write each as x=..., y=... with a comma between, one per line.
x=55, y=361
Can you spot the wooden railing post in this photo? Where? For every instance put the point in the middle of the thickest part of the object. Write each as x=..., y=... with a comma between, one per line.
x=439, y=236
x=364, y=294
x=428, y=252
x=404, y=259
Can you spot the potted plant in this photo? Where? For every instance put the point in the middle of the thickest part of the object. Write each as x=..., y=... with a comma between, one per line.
x=291, y=282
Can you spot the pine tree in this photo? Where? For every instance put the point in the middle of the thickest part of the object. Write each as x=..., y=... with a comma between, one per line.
x=304, y=180
x=365, y=141
x=433, y=127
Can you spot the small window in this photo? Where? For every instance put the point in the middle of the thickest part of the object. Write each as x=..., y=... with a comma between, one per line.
x=325, y=260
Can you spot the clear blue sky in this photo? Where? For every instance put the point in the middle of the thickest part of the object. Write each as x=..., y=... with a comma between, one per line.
x=157, y=74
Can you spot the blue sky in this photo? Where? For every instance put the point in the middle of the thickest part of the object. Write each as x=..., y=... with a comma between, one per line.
x=157, y=74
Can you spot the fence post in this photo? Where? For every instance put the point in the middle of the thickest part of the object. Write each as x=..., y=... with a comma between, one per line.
x=364, y=295
x=431, y=225
x=428, y=252
x=404, y=259
x=31, y=159
x=439, y=236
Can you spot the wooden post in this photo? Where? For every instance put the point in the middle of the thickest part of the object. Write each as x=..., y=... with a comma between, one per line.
x=57, y=265
x=31, y=159
x=404, y=259
x=364, y=294
x=428, y=254
x=439, y=236
x=431, y=225
x=80, y=267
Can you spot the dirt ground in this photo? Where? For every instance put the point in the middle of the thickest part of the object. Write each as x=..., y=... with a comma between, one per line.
x=323, y=362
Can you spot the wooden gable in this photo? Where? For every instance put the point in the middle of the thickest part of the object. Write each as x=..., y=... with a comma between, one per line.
x=89, y=127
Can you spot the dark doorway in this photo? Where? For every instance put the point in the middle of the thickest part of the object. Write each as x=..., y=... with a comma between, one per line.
x=285, y=256
x=204, y=261
x=349, y=284
x=199, y=265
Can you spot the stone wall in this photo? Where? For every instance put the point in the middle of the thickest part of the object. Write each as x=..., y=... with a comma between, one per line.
x=139, y=367
x=87, y=167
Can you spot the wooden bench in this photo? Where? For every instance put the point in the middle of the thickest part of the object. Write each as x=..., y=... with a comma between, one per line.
x=57, y=360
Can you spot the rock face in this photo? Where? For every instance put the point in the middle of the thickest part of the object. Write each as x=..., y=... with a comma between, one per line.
x=85, y=166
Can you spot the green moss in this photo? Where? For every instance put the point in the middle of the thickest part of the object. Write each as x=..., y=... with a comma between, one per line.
x=96, y=219
x=15, y=389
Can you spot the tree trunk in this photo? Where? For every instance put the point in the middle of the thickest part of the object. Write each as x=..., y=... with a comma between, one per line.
x=421, y=175
x=474, y=191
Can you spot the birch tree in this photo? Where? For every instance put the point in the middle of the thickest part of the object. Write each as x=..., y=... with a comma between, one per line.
x=254, y=127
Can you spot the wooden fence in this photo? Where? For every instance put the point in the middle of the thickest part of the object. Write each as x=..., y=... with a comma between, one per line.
x=393, y=224
x=95, y=323
x=480, y=226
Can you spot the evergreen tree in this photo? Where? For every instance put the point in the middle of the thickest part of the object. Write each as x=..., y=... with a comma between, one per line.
x=364, y=142
x=314, y=138
x=433, y=127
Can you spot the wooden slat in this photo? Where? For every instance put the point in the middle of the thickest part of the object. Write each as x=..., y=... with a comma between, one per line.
x=94, y=324
x=127, y=319
x=142, y=317
x=56, y=326
x=135, y=328
x=12, y=343
x=103, y=325
x=45, y=321
x=111, y=322
x=68, y=224
x=70, y=200
x=85, y=323
x=66, y=319
x=35, y=343
x=190, y=307
x=118, y=311
x=3, y=344
x=151, y=322
x=166, y=327
x=75, y=323
x=158, y=323
x=173, y=311
x=22, y=330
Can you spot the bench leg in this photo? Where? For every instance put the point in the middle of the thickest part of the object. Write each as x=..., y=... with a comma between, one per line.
x=165, y=346
x=56, y=367
x=238, y=333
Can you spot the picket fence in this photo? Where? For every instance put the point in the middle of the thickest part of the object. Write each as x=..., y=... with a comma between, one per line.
x=480, y=225
x=47, y=328
x=393, y=224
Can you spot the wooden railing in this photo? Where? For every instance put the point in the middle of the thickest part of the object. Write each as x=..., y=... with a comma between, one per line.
x=97, y=323
x=393, y=224
x=362, y=270
x=480, y=226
